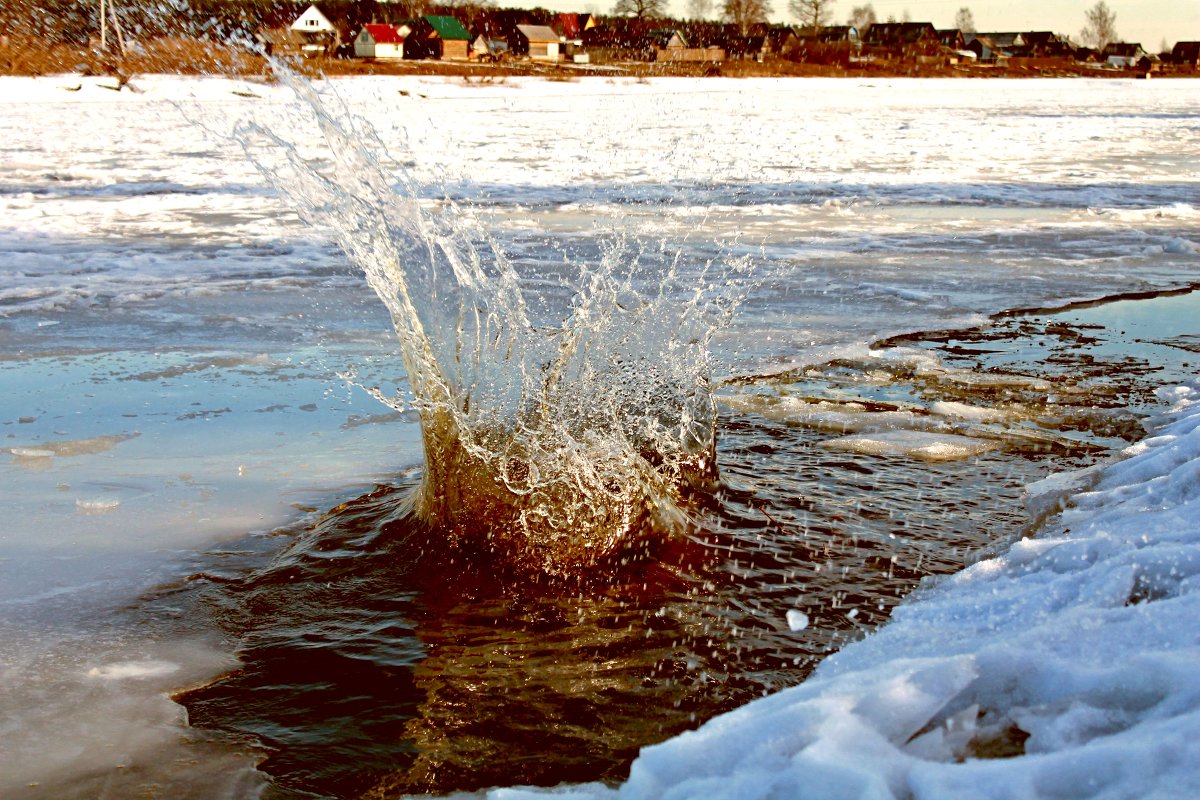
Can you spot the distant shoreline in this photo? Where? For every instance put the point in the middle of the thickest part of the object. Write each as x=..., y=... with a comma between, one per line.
x=194, y=57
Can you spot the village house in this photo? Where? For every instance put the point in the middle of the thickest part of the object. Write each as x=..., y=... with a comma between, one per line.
x=537, y=42
x=752, y=47
x=826, y=45
x=989, y=48
x=1123, y=55
x=318, y=36
x=376, y=40
x=781, y=41
x=952, y=39
x=1045, y=44
x=1186, y=54
x=954, y=47
x=667, y=44
x=670, y=45
x=905, y=41
x=437, y=37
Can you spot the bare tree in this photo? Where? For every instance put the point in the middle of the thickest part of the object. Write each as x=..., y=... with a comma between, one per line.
x=862, y=17
x=640, y=9
x=1101, y=26
x=964, y=20
x=699, y=9
x=469, y=11
x=814, y=14
x=745, y=13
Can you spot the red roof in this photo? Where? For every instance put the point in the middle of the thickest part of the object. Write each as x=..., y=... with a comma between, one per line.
x=568, y=25
x=384, y=34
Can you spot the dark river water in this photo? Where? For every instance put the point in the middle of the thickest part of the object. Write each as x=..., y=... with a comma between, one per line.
x=375, y=661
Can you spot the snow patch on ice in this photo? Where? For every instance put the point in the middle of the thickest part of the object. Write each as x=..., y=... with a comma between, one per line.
x=31, y=452
x=949, y=408
x=924, y=445
x=125, y=670
x=97, y=505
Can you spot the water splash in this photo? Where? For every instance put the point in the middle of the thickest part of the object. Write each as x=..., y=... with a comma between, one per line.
x=552, y=445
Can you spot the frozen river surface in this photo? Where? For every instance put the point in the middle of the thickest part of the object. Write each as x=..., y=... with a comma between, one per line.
x=183, y=362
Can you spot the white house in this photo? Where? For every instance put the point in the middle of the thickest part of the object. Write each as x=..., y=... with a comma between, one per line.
x=318, y=32
x=379, y=41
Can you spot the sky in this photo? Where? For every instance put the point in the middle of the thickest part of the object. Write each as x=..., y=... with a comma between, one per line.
x=1146, y=21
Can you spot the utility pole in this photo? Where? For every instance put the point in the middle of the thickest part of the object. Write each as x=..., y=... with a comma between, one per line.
x=103, y=28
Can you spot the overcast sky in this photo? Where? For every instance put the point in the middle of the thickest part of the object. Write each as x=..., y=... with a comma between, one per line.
x=1146, y=21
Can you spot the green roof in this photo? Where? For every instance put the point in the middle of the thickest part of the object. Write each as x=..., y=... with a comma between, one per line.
x=447, y=27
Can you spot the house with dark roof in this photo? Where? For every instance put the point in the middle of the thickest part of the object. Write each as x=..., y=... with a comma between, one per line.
x=829, y=34
x=902, y=40
x=826, y=45
x=1123, y=55
x=988, y=51
x=1045, y=44
x=1186, y=54
x=746, y=46
x=667, y=39
x=781, y=40
x=952, y=39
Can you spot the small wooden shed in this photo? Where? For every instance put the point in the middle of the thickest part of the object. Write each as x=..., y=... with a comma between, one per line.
x=538, y=42
x=448, y=38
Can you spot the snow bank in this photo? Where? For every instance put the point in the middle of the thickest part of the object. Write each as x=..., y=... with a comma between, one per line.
x=1067, y=668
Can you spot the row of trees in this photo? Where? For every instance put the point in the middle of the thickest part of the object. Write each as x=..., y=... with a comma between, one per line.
x=1099, y=30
